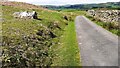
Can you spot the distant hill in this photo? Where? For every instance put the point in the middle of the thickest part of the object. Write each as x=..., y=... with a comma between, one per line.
x=108, y=5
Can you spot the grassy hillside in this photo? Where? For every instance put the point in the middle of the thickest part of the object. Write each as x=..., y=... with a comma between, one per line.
x=31, y=42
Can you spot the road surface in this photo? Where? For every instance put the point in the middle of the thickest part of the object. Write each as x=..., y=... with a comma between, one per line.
x=98, y=47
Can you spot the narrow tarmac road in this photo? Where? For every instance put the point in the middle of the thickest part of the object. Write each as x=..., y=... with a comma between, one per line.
x=98, y=47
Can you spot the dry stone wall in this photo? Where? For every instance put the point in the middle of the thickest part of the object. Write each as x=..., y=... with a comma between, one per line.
x=106, y=15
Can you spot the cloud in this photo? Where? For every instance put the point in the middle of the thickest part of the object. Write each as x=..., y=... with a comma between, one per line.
x=63, y=2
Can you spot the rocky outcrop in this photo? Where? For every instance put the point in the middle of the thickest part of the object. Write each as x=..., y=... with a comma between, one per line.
x=26, y=14
x=106, y=15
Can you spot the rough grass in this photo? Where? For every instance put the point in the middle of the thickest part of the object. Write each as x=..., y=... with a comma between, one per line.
x=20, y=35
x=68, y=51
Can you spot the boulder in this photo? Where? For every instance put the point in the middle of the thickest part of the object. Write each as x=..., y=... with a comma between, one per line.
x=26, y=15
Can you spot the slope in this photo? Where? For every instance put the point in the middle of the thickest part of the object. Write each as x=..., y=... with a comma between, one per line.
x=30, y=42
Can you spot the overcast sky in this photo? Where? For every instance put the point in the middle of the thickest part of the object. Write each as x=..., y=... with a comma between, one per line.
x=63, y=2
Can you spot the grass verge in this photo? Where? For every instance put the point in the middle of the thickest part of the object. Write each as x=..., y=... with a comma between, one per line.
x=68, y=51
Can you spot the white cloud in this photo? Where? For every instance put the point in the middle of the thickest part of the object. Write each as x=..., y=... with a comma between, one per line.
x=63, y=2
